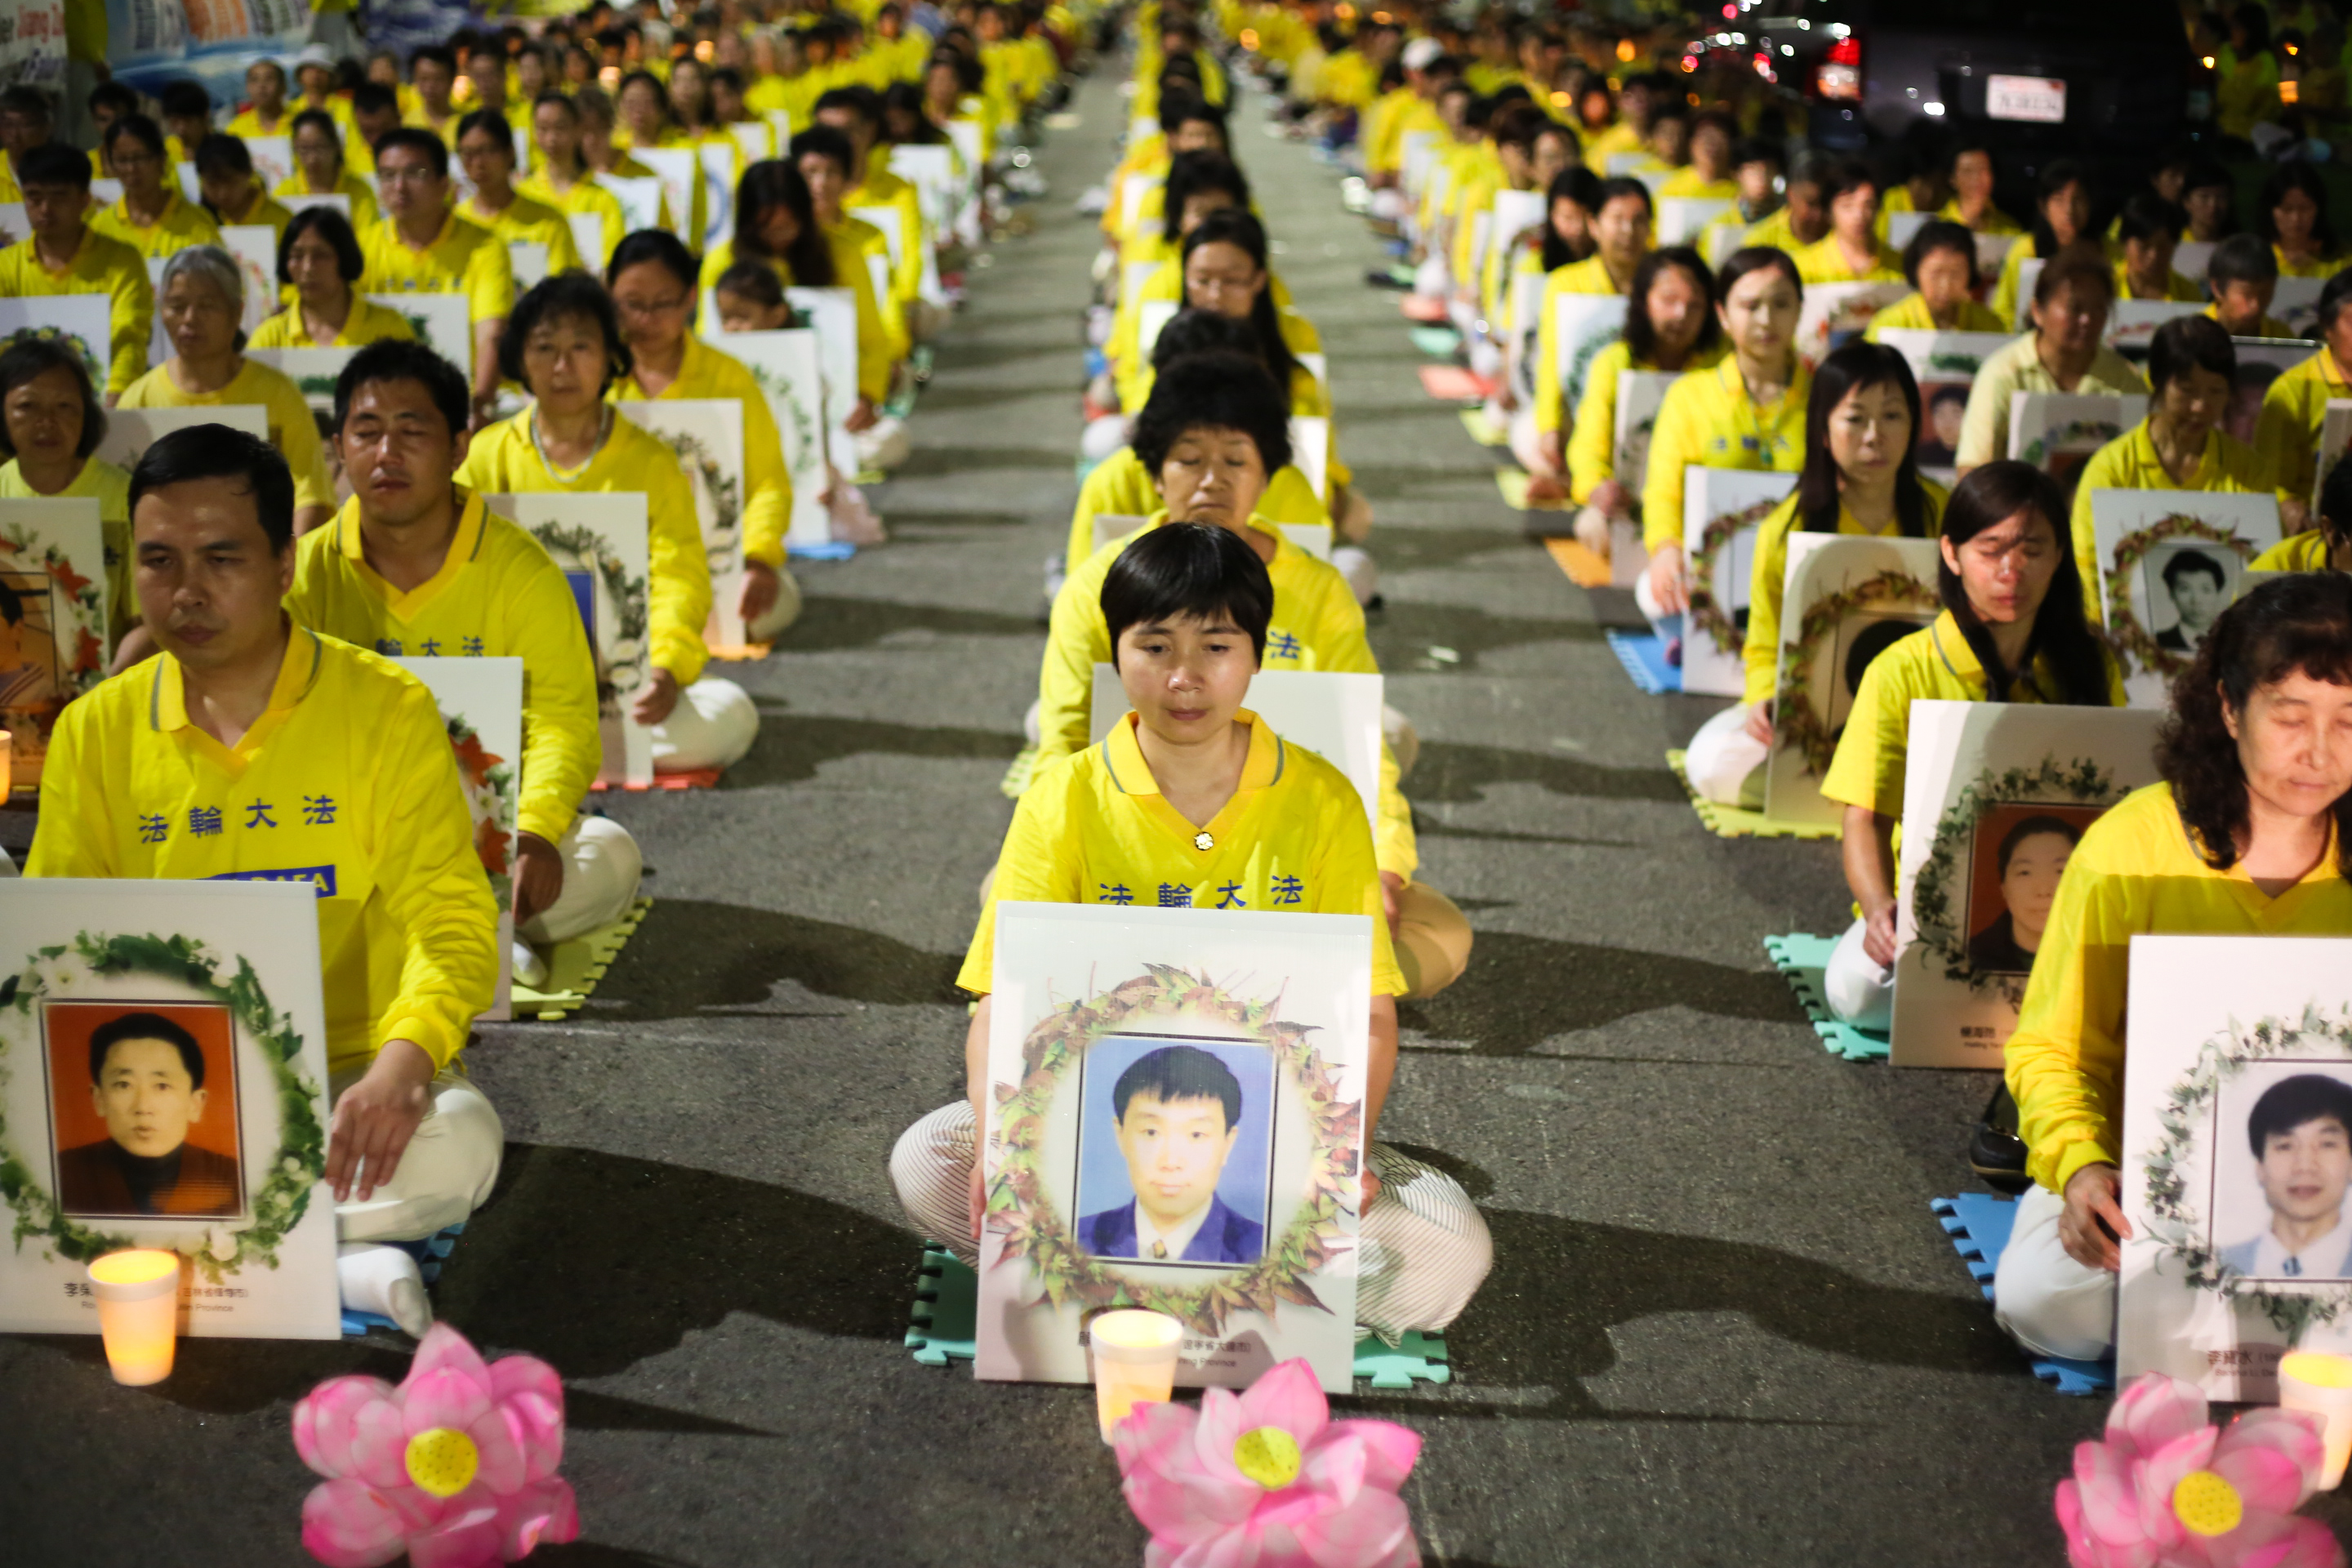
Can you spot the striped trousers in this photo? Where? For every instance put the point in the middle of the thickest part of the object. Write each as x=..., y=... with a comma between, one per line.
x=1423, y=1253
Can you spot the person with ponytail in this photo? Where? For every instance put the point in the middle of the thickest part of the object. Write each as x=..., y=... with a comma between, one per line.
x=2250, y=834
x=2012, y=630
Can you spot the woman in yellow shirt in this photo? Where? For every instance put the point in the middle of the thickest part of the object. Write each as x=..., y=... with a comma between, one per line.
x=51, y=420
x=1971, y=206
x=1852, y=251
x=1940, y=264
x=562, y=179
x=2149, y=229
x=486, y=152
x=321, y=262
x=1618, y=227
x=2012, y=630
x=2295, y=409
x=319, y=169
x=2249, y=835
x=2062, y=216
x=645, y=113
x=232, y=194
x=152, y=217
x=2292, y=213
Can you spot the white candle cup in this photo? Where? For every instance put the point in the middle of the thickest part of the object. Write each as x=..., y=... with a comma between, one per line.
x=2321, y=1383
x=1134, y=1362
x=138, y=1313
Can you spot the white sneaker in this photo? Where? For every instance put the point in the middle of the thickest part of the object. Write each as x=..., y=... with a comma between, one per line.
x=530, y=968
x=384, y=1280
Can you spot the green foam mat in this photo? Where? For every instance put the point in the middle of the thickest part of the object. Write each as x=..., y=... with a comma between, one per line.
x=1732, y=822
x=1024, y=768
x=575, y=966
x=1800, y=958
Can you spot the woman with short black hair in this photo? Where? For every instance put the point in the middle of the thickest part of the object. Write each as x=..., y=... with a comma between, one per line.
x=319, y=258
x=51, y=420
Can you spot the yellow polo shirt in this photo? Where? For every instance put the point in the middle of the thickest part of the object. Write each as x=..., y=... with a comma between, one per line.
x=348, y=185
x=708, y=372
x=849, y=271
x=2293, y=411
x=368, y=322
x=1592, y=440
x=2319, y=267
x=102, y=265
x=2129, y=463
x=585, y=196
x=180, y=225
x=101, y=481
x=2307, y=552
x=1691, y=184
x=2178, y=289
x=1708, y=419
x=1121, y=486
x=504, y=460
x=293, y=429
x=496, y=595
x=881, y=188
x=1590, y=276
x=1094, y=829
x=1824, y=262
x=260, y=210
x=526, y=222
x=1910, y=313
x=2136, y=872
x=347, y=783
x=1768, y=581
x=1772, y=231
x=1984, y=426
x=2006, y=304
x=247, y=123
x=1994, y=222
x=463, y=258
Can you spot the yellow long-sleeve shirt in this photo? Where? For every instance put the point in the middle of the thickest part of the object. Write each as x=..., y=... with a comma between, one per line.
x=585, y=195
x=523, y=221
x=1592, y=440
x=1590, y=276
x=708, y=372
x=497, y=595
x=849, y=271
x=2294, y=410
x=504, y=460
x=347, y=783
x=881, y=188
x=1910, y=313
x=2129, y=463
x=464, y=257
x=181, y=223
x=1708, y=419
x=101, y=265
x=1120, y=486
x=1317, y=625
x=292, y=429
x=368, y=322
x=1824, y=261
x=2136, y=872
x=1767, y=581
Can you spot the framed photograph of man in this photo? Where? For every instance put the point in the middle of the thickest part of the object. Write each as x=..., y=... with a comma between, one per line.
x=481, y=705
x=2236, y=1140
x=2261, y=360
x=1996, y=796
x=1175, y=1121
x=2169, y=562
x=1722, y=510
x=2058, y=431
x=53, y=620
x=163, y=1083
x=1945, y=364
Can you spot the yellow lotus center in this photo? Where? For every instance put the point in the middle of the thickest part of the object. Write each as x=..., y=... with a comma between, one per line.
x=442, y=1461
x=2208, y=1505
x=1268, y=1456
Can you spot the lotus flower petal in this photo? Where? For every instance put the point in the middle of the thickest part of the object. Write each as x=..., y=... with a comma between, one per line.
x=498, y=1452
x=2104, y=1483
x=2155, y=1475
x=466, y=1536
x=326, y=1421
x=2297, y=1434
x=2267, y=1479
x=346, y=1523
x=380, y=1446
x=538, y=1425
x=1289, y=1397
x=1218, y=1430
x=443, y=1398
x=1369, y=1531
x=543, y=1512
x=2302, y=1543
x=443, y=1349
x=1390, y=1450
x=514, y=1374
x=2154, y=1411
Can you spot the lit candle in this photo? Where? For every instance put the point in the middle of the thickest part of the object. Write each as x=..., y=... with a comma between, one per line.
x=1135, y=1362
x=138, y=1313
x=2321, y=1383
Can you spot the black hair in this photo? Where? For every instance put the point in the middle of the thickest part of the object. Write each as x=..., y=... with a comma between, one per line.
x=12, y=605
x=2294, y=174
x=1757, y=150
x=2062, y=636
x=31, y=357
x=1757, y=258
x=1183, y=109
x=2242, y=258
x=1848, y=174
x=136, y=126
x=1641, y=335
x=1214, y=391
x=1189, y=174
x=492, y=121
x=2205, y=174
x=1197, y=331
x=1849, y=368
x=1237, y=226
x=2332, y=296
x=2033, y=826
x=825, y=142
x=2186, y=343
x=405, y=359
x=155, y=1026
x=1578, y=184
x=905, y=98
x=2291, y=1101
x=1939, y=234
x=417, y=139
x=2056, y=175
x=112, y=94
x=564, y=294
x=2147, y=215
x=753, y=281
x=659, y=247
x=372, y=97
x=182, y=99
x=2334, y=509
x=862, y=101
x=1875, y=638
x=2184, y=562
x=217, y=452
x=54, y=163
x=558, y=97
x=776, y=181
x=335, y=229
x=1187, y=569
x=218, y=154
x=318, y=118
x=1626, y=186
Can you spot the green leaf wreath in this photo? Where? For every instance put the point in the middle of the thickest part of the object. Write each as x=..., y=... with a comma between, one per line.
x=621, y=665
x=2188, y=1113
x=1934, y=900
x=90, y=359
x=1796, y=721
x=1020, y=1211
x=2123, y=623
x=1580, y=366
x=2075, y=435
x=80, y=635
x=726, y=491
x=294, y=1170
x=1706, y=613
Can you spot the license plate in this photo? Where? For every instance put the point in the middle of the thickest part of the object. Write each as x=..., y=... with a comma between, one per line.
x=2036, y=97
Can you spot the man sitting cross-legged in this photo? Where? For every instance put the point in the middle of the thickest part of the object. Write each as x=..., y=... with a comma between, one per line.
x=415, y=564
x=253, y=749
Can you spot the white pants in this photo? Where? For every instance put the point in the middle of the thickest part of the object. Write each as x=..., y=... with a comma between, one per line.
x=601, y=867
x=712, y=726
x=445, y=1174
x=883, y=444
x=1855, y=985
x=2049, y=1303
x=1355, y=566
x=1424, y=1253
x=1725, y=764
x=781, y=614
x=1103, y=438
x=1668, y=624
x=1404, y=740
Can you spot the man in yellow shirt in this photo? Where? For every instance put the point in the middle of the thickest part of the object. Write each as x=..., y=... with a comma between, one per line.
x=152, y=217
x=264, y=113
x=187, y=119
x=64, y=255
x=375, y=115
x=253, y=749
x=415, y=564
x=433, y=72
x=857, y=114
x=423, y=247
x=232, y=192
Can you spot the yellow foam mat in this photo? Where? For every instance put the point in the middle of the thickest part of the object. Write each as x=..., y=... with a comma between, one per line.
x=1731, y=821
x=575, y=966
x=1484, y=429
x=1584, y=569
x=1513, y=483
x=1024, y=768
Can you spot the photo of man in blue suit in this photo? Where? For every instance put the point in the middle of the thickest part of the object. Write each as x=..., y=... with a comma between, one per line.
x=1179, y=1111
x=2301, y=1131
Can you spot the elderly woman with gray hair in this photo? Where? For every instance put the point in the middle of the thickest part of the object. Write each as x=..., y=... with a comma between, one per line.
x=200, y=305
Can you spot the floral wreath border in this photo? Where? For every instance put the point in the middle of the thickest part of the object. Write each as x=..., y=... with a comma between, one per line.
x=294, y=1171
x=1019, y=1211
x=2092, y=433
x=91, y=361
x=1713, y=539
x=2123, y=625
x=725, y=494
x=497, y=779
x=86, y=658
x=1797, y=721
x=630, y=595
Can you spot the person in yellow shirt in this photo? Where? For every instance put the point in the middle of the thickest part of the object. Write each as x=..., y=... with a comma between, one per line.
x=231, y=192
x=1971, y=206
x=2325, y=546
x=652, y=280
x=857, y=114
x=51, y=422
x=1747, y=412
x=484, y=63
x=2247, y=836
x=375, y=115
x=564, y=347
x=200, y=301
x=486, y=152
x=2180, y=445
x=317, y=85
x=1852, y=251
x=2061, y=219
x=823, y=157
x=1709, y=175
x=187, y=110
x=563, y=180
x=319, y=169
x=2292, y=213
x=423, y=247
x=2295, y=409
x=252, y=749
x=1940, y=265
x=2150, y=230
x=2012, y=630
x=2247, y=90
x=2066, y=352
x=152, y=217
x=1194, y=799
x=1629, y=132
x=2243, y=277
x=66, y=255
x=432, y=73
x=1619, y=232
x=415, y=564
x=264, y=113
x=321, y=263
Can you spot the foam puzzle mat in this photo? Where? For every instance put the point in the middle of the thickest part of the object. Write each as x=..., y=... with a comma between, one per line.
x=1979, y=1224
x=575, y=966
x=1733, y=822
x=1801, y=960
x=1644, y=655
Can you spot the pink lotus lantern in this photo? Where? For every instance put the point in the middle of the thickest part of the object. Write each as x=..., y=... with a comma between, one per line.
x=455, y=1467
x=2167, y=1491
x=1267, y=1479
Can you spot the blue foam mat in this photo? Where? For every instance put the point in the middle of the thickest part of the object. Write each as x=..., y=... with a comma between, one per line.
x=1979, y=1224
x=832, y=549
x=1800, y=958
x=1644, y=655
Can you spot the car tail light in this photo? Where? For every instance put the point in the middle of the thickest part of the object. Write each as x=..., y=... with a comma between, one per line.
x=1840, y=73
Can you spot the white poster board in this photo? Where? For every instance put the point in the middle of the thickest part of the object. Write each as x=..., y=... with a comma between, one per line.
x=273, y=159
x=931, y=169
x=718, y=172
x=1681, y=218
x=2029, y=278
x=1336, y=716
x=785, y=364
x=599, y=541
x=678, y=171
x=14, y=226
x=1058, y=1188
x=2058, y=431
x=255, y=245
x=2169, y=562
x=2296, y=301
x=315, y=370
x=1945, y=366
x=53, y=570
x=2216, y=1024
x=588, y=237
x=1582, y=325
x=2191, y=258
x=2335, y=436
x=1722, y=509
x=1640, y=395
x=755, y=138
x=441, y=322
x=130, y=431
x=1151, y=318
x=2132, y=323
x=249, y=1208
x=1835, y=313
x=481, y=704
x=706, y=434
x=332, y=200
x=1995, y=797
x=1902, y=228
x=886, y=219
x=640, y=199
x=87, y=319
x=832, y=315
x=528, y=261
x=1516, y=212
x=1310, y=452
